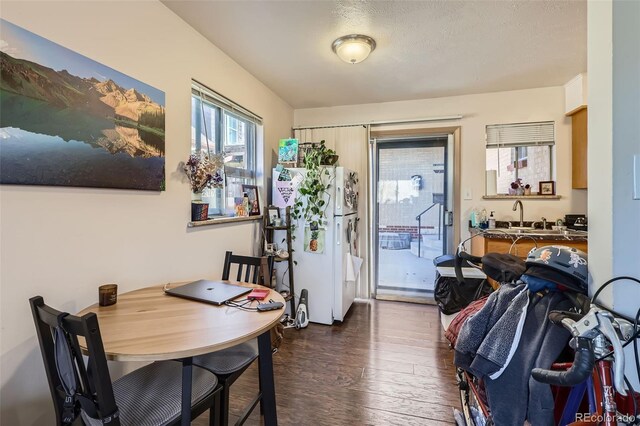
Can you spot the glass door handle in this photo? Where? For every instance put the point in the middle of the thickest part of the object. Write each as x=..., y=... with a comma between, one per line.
x=448, y=218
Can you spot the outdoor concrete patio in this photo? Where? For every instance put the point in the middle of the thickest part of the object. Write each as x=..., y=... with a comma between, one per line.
x=403, y=273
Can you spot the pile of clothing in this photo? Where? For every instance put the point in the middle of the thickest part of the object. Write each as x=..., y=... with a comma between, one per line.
x=504, y=336
x=504, y=341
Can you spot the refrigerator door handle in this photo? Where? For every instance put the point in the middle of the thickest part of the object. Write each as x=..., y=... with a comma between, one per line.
x=338, y=235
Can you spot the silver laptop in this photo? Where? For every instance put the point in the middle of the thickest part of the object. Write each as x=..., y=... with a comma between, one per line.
x=214, y=292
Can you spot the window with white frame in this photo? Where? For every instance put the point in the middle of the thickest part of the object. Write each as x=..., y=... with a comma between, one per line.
x=220, y=126
x=521, y=151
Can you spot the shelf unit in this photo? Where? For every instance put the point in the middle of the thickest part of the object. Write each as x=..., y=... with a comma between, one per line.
x=269, y=233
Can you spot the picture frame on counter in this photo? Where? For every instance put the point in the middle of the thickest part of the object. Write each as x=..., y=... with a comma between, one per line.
x=547, y=187
x=274, y=214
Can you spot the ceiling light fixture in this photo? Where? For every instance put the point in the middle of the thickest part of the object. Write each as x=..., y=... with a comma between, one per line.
x=353, y=48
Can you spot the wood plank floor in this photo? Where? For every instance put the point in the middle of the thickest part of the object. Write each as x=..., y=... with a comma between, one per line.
x=388, y=363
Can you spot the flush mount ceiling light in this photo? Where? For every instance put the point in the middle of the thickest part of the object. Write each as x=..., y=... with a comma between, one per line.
x=353, y=48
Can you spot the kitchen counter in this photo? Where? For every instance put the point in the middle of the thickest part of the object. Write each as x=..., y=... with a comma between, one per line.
x=505, y=234
x=503, y=240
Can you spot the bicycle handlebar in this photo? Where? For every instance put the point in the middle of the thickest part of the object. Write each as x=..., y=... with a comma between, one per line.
x=580, y=369
x=460, y=256
x=585, y=328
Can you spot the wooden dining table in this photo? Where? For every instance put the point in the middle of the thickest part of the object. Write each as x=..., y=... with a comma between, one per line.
x=149, y=325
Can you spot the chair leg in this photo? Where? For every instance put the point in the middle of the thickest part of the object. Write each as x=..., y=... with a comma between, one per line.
x=260, y=390
x=223, y=413
x=214, y=416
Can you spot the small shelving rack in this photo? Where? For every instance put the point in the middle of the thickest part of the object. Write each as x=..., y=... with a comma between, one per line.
x=269, y=232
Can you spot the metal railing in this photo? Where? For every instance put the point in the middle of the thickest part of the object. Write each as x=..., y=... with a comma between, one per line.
x=419, y=219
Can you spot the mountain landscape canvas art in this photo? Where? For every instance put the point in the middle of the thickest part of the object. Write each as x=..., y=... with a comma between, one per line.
x=68, y=120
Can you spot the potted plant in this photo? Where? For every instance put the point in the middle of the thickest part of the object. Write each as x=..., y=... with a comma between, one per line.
x=325, y=156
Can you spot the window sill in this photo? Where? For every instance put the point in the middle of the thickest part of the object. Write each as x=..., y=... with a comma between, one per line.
x=514, y=197
x=223, y=220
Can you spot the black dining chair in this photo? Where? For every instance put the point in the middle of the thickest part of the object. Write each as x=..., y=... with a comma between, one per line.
x=229, y=364
x=148, y=396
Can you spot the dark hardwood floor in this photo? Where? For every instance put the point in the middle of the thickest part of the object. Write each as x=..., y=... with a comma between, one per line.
x=388, y=363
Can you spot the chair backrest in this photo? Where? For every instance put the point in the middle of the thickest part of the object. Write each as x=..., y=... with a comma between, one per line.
x=255, y=270
x=92, y=379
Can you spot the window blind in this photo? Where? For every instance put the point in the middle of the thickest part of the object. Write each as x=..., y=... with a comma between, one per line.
x=520, y=134
x=211, y=96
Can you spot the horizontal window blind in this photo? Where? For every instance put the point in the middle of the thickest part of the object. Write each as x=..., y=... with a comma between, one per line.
x=520, y=134
x=211, y=96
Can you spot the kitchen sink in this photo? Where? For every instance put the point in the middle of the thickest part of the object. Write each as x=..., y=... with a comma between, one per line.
x=513, y=230
x=546, y=232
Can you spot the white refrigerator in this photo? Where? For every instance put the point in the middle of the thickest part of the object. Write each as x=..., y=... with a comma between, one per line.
x=331, y=276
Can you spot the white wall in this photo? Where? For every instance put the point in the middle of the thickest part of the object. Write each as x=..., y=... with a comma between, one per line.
x=599, y=155
x=614, y=108
x=626, y=144
x=478, y=111
x=614, y=138
x=62, y=243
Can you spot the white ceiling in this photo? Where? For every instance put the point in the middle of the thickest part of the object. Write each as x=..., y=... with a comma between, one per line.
x=425, y=49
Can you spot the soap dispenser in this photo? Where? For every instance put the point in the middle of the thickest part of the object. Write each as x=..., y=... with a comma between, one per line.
x=483, y=219
x=492, y=221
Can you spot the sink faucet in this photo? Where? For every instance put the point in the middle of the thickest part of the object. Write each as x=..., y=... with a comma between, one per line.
x=515, y=207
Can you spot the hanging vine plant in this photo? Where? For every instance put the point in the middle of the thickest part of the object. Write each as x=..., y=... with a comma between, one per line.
x=310, y=204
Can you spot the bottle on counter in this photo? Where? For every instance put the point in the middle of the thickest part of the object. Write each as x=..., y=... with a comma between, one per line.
x=492, y=221
x=475, y=219
x=245, y=204
x=484, y=221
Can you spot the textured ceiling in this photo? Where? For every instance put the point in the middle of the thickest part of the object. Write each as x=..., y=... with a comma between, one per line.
x=425, y=49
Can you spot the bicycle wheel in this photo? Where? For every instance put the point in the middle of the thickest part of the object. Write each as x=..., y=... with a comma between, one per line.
x=474, y=411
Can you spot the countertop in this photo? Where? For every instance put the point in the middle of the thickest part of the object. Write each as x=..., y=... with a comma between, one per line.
x=507, y=234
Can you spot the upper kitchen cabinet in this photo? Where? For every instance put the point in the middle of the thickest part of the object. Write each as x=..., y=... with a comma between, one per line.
x=579, y=149
x=576, y=108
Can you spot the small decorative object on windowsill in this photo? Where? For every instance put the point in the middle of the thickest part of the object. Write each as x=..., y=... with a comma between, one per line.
x=547, y=188
x=199, y=210
x=203, y=171
x=241, y=205
x=518, y=188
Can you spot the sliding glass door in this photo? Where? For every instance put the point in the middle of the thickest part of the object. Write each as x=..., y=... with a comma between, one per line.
x=411, y=204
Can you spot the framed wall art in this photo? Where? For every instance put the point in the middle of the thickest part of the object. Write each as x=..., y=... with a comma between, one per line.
x=288, y=151
x=68, y=120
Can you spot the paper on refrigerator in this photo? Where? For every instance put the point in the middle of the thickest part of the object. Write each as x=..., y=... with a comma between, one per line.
x=352, y=267
x=285, y=194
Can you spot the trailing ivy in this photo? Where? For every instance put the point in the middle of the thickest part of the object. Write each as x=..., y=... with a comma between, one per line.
x=310, y=204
